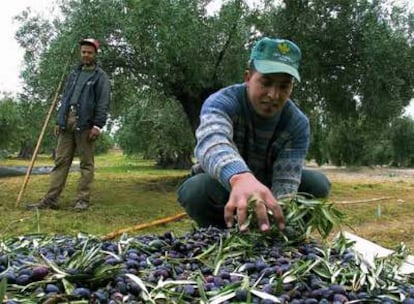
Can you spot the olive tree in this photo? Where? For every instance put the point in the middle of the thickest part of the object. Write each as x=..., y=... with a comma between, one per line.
x=357, y=68
x=173, y=47
x=10, y=124
x=157, y=128
x=401, y=137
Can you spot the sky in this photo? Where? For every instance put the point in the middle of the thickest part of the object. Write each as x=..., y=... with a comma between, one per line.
x=11, y=54
x=11, y=58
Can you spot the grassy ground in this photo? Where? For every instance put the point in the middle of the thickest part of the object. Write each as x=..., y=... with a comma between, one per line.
x=378, y=204
x=126, y=193
x=130, y=192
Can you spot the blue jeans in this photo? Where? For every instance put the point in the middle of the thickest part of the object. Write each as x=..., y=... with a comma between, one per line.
x=204, y=198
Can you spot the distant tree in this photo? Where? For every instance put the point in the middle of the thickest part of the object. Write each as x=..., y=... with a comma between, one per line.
x=10, y=124
x=104, y=143
x=402, y=139
x=158, y=129
x=378, y=152
x=41, y=82
x=345, y=143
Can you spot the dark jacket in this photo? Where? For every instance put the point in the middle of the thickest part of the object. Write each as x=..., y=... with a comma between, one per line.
x=93, y=105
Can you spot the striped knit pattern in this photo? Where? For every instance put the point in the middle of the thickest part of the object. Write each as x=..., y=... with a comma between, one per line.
x=233, y=139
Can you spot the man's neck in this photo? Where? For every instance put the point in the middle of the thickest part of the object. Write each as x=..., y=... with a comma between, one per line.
x=89, y=67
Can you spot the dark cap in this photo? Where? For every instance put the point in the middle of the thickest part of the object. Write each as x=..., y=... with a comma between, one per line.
x=90, y=41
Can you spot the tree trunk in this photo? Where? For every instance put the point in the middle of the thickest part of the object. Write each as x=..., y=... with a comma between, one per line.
x=192, y=104
x=180, y=160
x=26, y=151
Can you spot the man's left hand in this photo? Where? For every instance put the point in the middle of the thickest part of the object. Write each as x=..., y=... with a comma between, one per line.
x=94, y=134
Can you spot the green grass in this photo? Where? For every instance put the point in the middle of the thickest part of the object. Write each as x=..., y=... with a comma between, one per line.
x=129, y=192
x=126, y=192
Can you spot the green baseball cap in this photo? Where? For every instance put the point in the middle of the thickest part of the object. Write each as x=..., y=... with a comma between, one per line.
x=276, y=56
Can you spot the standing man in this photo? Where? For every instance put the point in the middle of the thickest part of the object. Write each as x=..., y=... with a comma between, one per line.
x=252, y=142
x=81, y=116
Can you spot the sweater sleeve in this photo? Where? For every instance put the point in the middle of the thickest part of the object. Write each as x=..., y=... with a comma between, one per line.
x=215, y=149
x=287, y=167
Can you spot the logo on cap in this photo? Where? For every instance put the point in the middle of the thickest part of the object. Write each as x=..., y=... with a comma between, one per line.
x=283, y=48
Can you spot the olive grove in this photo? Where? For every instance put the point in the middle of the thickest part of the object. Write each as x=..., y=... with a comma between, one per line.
x=165, y=57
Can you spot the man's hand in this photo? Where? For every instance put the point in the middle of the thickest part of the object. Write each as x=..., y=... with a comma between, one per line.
x=245, y=186
x=56, y=131
x=94, y=133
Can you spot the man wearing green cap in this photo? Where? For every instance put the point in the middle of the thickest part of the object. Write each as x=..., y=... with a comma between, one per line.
x=251, y=143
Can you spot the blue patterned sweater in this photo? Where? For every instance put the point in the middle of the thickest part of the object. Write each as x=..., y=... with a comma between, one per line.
x=232, y=139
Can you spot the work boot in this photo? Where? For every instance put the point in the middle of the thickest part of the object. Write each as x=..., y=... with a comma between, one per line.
x=44, y=203
x=81, y=205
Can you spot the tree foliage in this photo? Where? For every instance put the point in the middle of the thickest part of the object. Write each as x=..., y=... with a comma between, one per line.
x=354, y=70
x=357, y=69
x=402, y=135
x=20, y=125
x=10, y=123
x=104, y=143
x=158, y=129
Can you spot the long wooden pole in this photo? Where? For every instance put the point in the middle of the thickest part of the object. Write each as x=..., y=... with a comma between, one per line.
x=165, y=220
x=39, y=140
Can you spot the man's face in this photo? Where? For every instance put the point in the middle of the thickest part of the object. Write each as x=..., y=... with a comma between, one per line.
x=88, y=54
x=268, y=93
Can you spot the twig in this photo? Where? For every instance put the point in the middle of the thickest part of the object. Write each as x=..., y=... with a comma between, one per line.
x=165, y=220
x=365, y=200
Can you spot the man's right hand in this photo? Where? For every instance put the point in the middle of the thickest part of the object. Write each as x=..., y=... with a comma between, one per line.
x=245, y=186
x=56, y=131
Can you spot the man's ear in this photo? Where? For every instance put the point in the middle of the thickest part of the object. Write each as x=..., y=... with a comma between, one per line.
x=247, y=75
